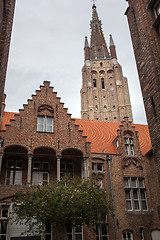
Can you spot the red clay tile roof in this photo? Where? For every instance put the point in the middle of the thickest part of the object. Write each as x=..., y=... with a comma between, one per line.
x=101, y=135
x=6, y=119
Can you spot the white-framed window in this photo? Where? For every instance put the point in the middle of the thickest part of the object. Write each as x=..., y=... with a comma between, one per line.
x=129, y=146
x=14, y=172
x=127, y=235
x=102, y=232
x=141, y=230
x=44, y=124
x=3, y=222
x=40, y=173
x=97, y=167
x=135, y=194
x=157, y=9
x=74, y=232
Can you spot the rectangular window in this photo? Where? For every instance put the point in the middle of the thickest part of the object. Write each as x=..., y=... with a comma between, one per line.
x=129, y=146
x=40, y=178
x=14, y=172
x=75, y=233
x=102, y=232
x=3, y=222
x=45, y=124
x=97, y=167
x=135, y=194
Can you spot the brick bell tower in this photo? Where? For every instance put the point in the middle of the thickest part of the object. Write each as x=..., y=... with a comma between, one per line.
x=104, y=93
x=6, y=20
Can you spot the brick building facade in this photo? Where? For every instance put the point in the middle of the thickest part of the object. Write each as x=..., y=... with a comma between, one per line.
x=42, y=143
x=144, y=23
x=6, y=21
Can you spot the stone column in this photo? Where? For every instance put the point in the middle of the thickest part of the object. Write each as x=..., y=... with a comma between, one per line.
x=85, y=160
x=1, y=155
x=58, y=167
x=30, y=156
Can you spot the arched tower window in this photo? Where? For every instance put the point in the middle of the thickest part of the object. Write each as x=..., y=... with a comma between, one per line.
x=94, y=83
x=102, y=81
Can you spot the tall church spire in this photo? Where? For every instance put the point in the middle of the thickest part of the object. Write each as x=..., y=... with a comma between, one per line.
x=104, y=93
x=98, y=47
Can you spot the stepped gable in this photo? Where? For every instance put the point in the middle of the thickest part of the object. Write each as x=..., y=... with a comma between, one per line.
x=101, y=134
x=22, y=130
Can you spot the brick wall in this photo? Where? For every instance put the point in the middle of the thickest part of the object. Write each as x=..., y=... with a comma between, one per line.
x=146, y=45
x=6, y=21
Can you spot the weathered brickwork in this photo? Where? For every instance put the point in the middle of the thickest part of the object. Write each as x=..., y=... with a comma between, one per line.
x=143, y=23
x=6, y=21
x=27, y=144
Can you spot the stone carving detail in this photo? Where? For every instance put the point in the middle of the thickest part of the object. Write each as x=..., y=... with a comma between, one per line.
x=127, y=161
x=45, y=106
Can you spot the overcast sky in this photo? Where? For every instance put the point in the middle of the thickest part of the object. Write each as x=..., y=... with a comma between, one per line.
x=47, y=44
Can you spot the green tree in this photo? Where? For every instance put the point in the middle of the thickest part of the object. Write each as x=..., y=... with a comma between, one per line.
x=80, y=202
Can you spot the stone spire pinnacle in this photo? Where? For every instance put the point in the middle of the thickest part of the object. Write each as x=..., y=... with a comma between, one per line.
x=98, y=47
x=112, y=48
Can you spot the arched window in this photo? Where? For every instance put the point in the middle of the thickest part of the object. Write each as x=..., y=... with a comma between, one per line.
x=127, y=235
x=94, y=83
x=102, y=81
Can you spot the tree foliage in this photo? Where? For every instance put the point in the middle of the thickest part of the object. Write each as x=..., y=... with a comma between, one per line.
x=79, y=202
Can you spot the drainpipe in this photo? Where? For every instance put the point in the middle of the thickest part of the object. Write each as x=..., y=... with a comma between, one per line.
x=108, y=158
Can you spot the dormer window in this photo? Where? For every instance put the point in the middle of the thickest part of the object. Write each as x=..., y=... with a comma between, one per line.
x=129, y=147
x=44, y=124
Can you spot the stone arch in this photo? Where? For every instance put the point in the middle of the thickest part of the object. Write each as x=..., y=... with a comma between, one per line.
x=43, y=166
x=101, y=72
x=71, y=162
x=14, y=163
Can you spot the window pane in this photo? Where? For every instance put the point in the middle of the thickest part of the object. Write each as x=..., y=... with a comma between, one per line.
x=127, y=149
x=126, y=182
x=40, y=124
x=99, y=167
x=136, y=205
x=79, y=236
x=104, y=230
x=3, y=227
x=9, y=177
x=18, y=178
x=36, y=165
x=134, y=182
x=128, y=194
x=19, y=164
x=45, y=178
x=128, y=205
x=126, y=140
x=10, y=164
x=4, y=212
x=35, y=180
x=45, y=166
x=93, y=167
x=141, y=182
x=49, y=124
x=144, y=205
x=131, y=141
x=69, y=167
x=135, y=194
